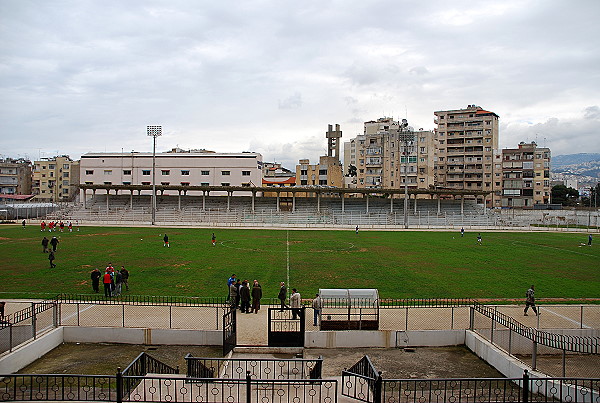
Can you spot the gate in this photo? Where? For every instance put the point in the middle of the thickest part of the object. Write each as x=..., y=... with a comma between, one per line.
x=229, y=331
x=284, y=330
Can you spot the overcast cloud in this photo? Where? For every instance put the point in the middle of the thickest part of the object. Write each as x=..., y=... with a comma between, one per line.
x=81, y=76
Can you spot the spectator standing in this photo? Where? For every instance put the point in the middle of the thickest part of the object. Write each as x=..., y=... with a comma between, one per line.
x=54, y=242
x=2, y=304
x=256, y=296
x=245, y=297
x=45, y=242
x=233, y=296
x=295, y=303
x=118, y=278
x=230, y=280
x=107, y=281
x=51, y=259
x=530, y=301
x=238, y=284
x=125, y=275
x=95, y=276
x=282, y=296
x=317, y=304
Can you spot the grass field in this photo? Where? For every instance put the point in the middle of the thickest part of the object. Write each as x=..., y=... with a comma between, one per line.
x=399, y=264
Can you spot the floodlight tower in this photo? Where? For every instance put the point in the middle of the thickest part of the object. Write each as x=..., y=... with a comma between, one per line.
x=154, y=132
x=407, y=137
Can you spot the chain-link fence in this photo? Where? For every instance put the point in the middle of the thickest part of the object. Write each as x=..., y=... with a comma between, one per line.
x=28, y=323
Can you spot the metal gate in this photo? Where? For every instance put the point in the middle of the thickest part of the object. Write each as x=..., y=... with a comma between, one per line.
x=284, y=329
x=229, y=331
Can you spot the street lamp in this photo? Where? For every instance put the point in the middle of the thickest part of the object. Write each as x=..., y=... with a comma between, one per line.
x=407, y=137
x=154, y=132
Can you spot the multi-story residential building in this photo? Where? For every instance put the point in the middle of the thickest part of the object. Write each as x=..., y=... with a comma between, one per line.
x=328, y=172
x=525, y=175
x=55, y=179
x=465, y=141
x=384, y=159
x=176, y=167
x=15, y=176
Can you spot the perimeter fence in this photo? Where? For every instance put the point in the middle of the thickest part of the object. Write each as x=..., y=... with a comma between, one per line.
x=28, y=323
x=562, y=352
x=362, y=382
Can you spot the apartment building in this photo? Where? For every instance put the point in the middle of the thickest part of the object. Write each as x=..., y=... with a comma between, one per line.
x=15, y=176
x=328, y=172
x=390, y=154
x=465, y=142
x=525, y=175
x=55, y=179
x=176, y=167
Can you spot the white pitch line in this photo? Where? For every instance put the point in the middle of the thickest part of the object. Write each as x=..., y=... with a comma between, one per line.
x=565, y=317
x=69, y=317
x=552, y=247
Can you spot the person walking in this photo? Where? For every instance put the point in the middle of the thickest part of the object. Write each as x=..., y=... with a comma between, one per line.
x=214, y=239
x=462, y=232
x=54, y=242
x=51, y=259
x=590, y=239
x=95, y=276
x=282, y=296
x=479, y=240
x=356, y=230
x=45, y=242
x=23, y=224
x=530, y=301
x=107, y=281
x=317, y=304
x=295, y=303
x=245, y=297
x=256, y=296
x=43, y=226
x=125, y=275
x=166, y=241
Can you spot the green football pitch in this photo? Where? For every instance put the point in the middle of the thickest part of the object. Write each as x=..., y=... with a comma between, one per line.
x=428, y=264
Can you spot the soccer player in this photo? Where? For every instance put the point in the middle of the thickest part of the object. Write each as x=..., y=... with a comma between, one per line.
x=214, y=240
x=479, y=239
x=590, y=240
x=166, y=241
x=462, y=232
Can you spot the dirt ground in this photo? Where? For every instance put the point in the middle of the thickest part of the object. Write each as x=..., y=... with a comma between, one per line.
x=430, y=362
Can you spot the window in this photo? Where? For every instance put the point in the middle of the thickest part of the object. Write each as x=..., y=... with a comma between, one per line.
x=225, y=173
x=65, y=191
x=145, y=183
x=322, y=172
x=245, y=173
x=65, y=183
x=165, y=183
x=165, y=172
x=323, y=182
x=224, y=183
x=204, y=172
x=246, y=184
x=127, y=172
x=204, y=184
x=87, y=172
x=51, y=166
x=108, y=183
x=304, y=172
x=87, y=183
x=126, y=183
x=145, y=172
x=65, y=174
x=185, y=172
x=66, y=166
x=303, y=182
x=185, y=184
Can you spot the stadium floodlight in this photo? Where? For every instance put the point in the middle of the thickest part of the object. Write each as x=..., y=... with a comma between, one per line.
x=154, y=132
x=407, y=137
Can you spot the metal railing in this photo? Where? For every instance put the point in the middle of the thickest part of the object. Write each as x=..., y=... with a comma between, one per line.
x=43, y=387
x=363, y=383
x=27, y=323
x=142, y=300
x=142, y=365
x=259, y=368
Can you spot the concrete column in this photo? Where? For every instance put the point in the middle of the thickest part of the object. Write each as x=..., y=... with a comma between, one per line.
x=278, y=193
x=179, y=200
x=462, y=205
x=318, y=202
x=439, y=204
x=415, y=204
x=253, y=196
x=203, y=200
x=228, y=199
x=391, y=203
x=84, y=201
x=293, y=202
x=367, y=203
x=107, y=194
x=131, y=199
x=343, y=202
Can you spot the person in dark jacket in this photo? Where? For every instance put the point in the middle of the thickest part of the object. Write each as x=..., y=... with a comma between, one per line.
x=51, y=259
x=45, y=242
x=245, y=297
x=95, y=276
x=256, y=296
x=282, y=295
x=54, y=242
x=125, y=275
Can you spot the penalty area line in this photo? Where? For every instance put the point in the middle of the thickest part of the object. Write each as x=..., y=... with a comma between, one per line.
x=552, y=247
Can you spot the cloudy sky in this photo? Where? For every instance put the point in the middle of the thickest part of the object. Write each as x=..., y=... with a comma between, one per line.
x=81, y=76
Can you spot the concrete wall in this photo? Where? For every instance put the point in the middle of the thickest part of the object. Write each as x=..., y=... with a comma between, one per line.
x=73, y=334
x=384, y=338
x=29, y=352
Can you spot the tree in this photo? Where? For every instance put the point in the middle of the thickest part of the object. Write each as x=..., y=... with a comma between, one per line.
x=351, y=171
x=564, y=195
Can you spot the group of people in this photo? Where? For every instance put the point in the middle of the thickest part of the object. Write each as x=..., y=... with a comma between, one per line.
x=242, y=296
x=54, y=243
x=112, y=279
x=54, y=226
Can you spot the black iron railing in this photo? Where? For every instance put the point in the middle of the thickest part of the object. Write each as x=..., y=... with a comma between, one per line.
x=142, y=365
x=577, y=344
x=237, y=368
x=424, y=302
x=143, y=300
x=58, y=387
x=28, y=313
